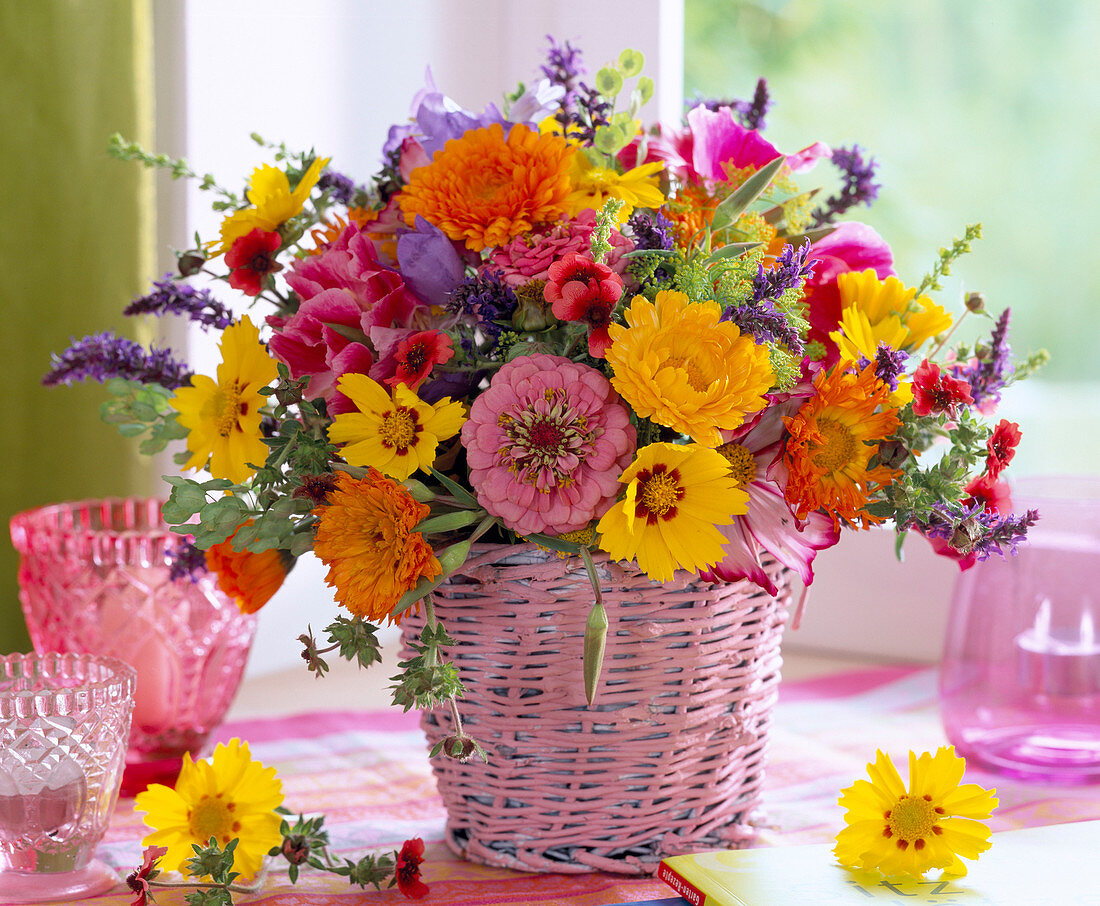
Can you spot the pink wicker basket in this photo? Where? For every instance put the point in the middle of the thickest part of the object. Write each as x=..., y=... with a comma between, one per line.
x=669, y=759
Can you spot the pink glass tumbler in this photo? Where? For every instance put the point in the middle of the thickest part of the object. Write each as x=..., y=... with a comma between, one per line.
x=64, y=721
x=1020, y=676
x=95, y=576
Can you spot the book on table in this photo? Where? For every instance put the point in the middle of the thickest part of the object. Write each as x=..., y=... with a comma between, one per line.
x=1032, y=867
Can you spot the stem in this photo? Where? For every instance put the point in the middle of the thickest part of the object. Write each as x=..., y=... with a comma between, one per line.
x=456, y=717
x=431, y=655
x=947, y=336
x=487, y=523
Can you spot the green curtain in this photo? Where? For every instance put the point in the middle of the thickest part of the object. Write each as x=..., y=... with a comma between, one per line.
x=76, y=245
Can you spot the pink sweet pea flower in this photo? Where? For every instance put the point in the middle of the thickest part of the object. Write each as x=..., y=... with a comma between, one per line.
x=715, y=143
x=345, y=292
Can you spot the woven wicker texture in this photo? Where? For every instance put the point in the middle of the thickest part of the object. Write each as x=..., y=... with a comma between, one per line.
x=669, y=759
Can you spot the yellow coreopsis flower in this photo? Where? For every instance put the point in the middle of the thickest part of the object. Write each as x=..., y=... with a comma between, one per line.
x=592, y=186
x=223, y=417
x=678, y=363
x=676, y=495
x=273, y=203
x=228, y=796
x=395, y=434
x=891, y=310
x=907, y=831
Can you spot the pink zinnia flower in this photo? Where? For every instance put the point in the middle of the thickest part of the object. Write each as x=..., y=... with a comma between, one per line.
x=344, y=293
x=529, y=257
x=252, y=258
x=546, y=444
x=934, y=392
x=579, y=289
x=755, y=453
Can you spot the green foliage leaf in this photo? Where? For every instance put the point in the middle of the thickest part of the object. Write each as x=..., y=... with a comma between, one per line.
x=645, y=90
x=752, y=188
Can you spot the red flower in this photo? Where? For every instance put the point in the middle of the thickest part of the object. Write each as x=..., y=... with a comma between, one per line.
x=417, y=355
x=935, y=392
x=138, y=879
x=252, y=258
x=1002, y=447
x=579, y=289
x=407, y=869
x=992, y=494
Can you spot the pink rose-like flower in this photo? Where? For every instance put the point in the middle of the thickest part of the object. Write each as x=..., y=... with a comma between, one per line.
x=529, y=257
x=344, y=292
x=546, y=444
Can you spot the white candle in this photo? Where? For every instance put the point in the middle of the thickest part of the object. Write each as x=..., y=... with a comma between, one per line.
x=1063, y=660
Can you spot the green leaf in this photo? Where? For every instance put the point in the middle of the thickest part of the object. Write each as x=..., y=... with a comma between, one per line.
x=732, y=250
x=752, y=188
x=645, y=89
x=414, y=594
x=454, y=556
x=631, y=62
x=555, y=544
x=609, y=82
x=457, y=491
x=448, y=522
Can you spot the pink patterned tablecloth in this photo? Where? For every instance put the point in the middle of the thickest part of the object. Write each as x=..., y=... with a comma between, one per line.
x=369, y=774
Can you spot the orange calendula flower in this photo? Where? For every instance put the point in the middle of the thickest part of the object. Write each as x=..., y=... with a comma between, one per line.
x=365, y=536
x=681, y=366
x=486, y=188
x=250, y=579
x=833, y=437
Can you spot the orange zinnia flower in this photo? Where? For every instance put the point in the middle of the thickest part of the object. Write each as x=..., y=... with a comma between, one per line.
x=833, y=437
x=486, y=189
x=365, y=536
x=249, y=579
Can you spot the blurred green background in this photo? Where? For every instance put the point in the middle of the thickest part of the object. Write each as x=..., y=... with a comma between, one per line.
x=987, y=110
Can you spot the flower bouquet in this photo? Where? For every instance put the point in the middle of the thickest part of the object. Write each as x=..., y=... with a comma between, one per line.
x=547, y=331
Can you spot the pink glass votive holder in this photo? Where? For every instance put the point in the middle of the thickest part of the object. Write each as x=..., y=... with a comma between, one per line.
x=64, y=724
x=1020, y=675
x=95, y=576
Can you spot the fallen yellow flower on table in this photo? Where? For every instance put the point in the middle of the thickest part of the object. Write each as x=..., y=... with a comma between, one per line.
x=229, y=796
x=902, y=831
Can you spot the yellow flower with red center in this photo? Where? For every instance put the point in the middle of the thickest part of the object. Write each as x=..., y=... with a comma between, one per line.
x=229, y=796
x=365, y=536
x=223, y=417
x=678, y=364
x=273, y=202
x=396, y=434
x=901, y=830
x=676, y=495
x=832, y=439
x=486, y=188
x=592, y=186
